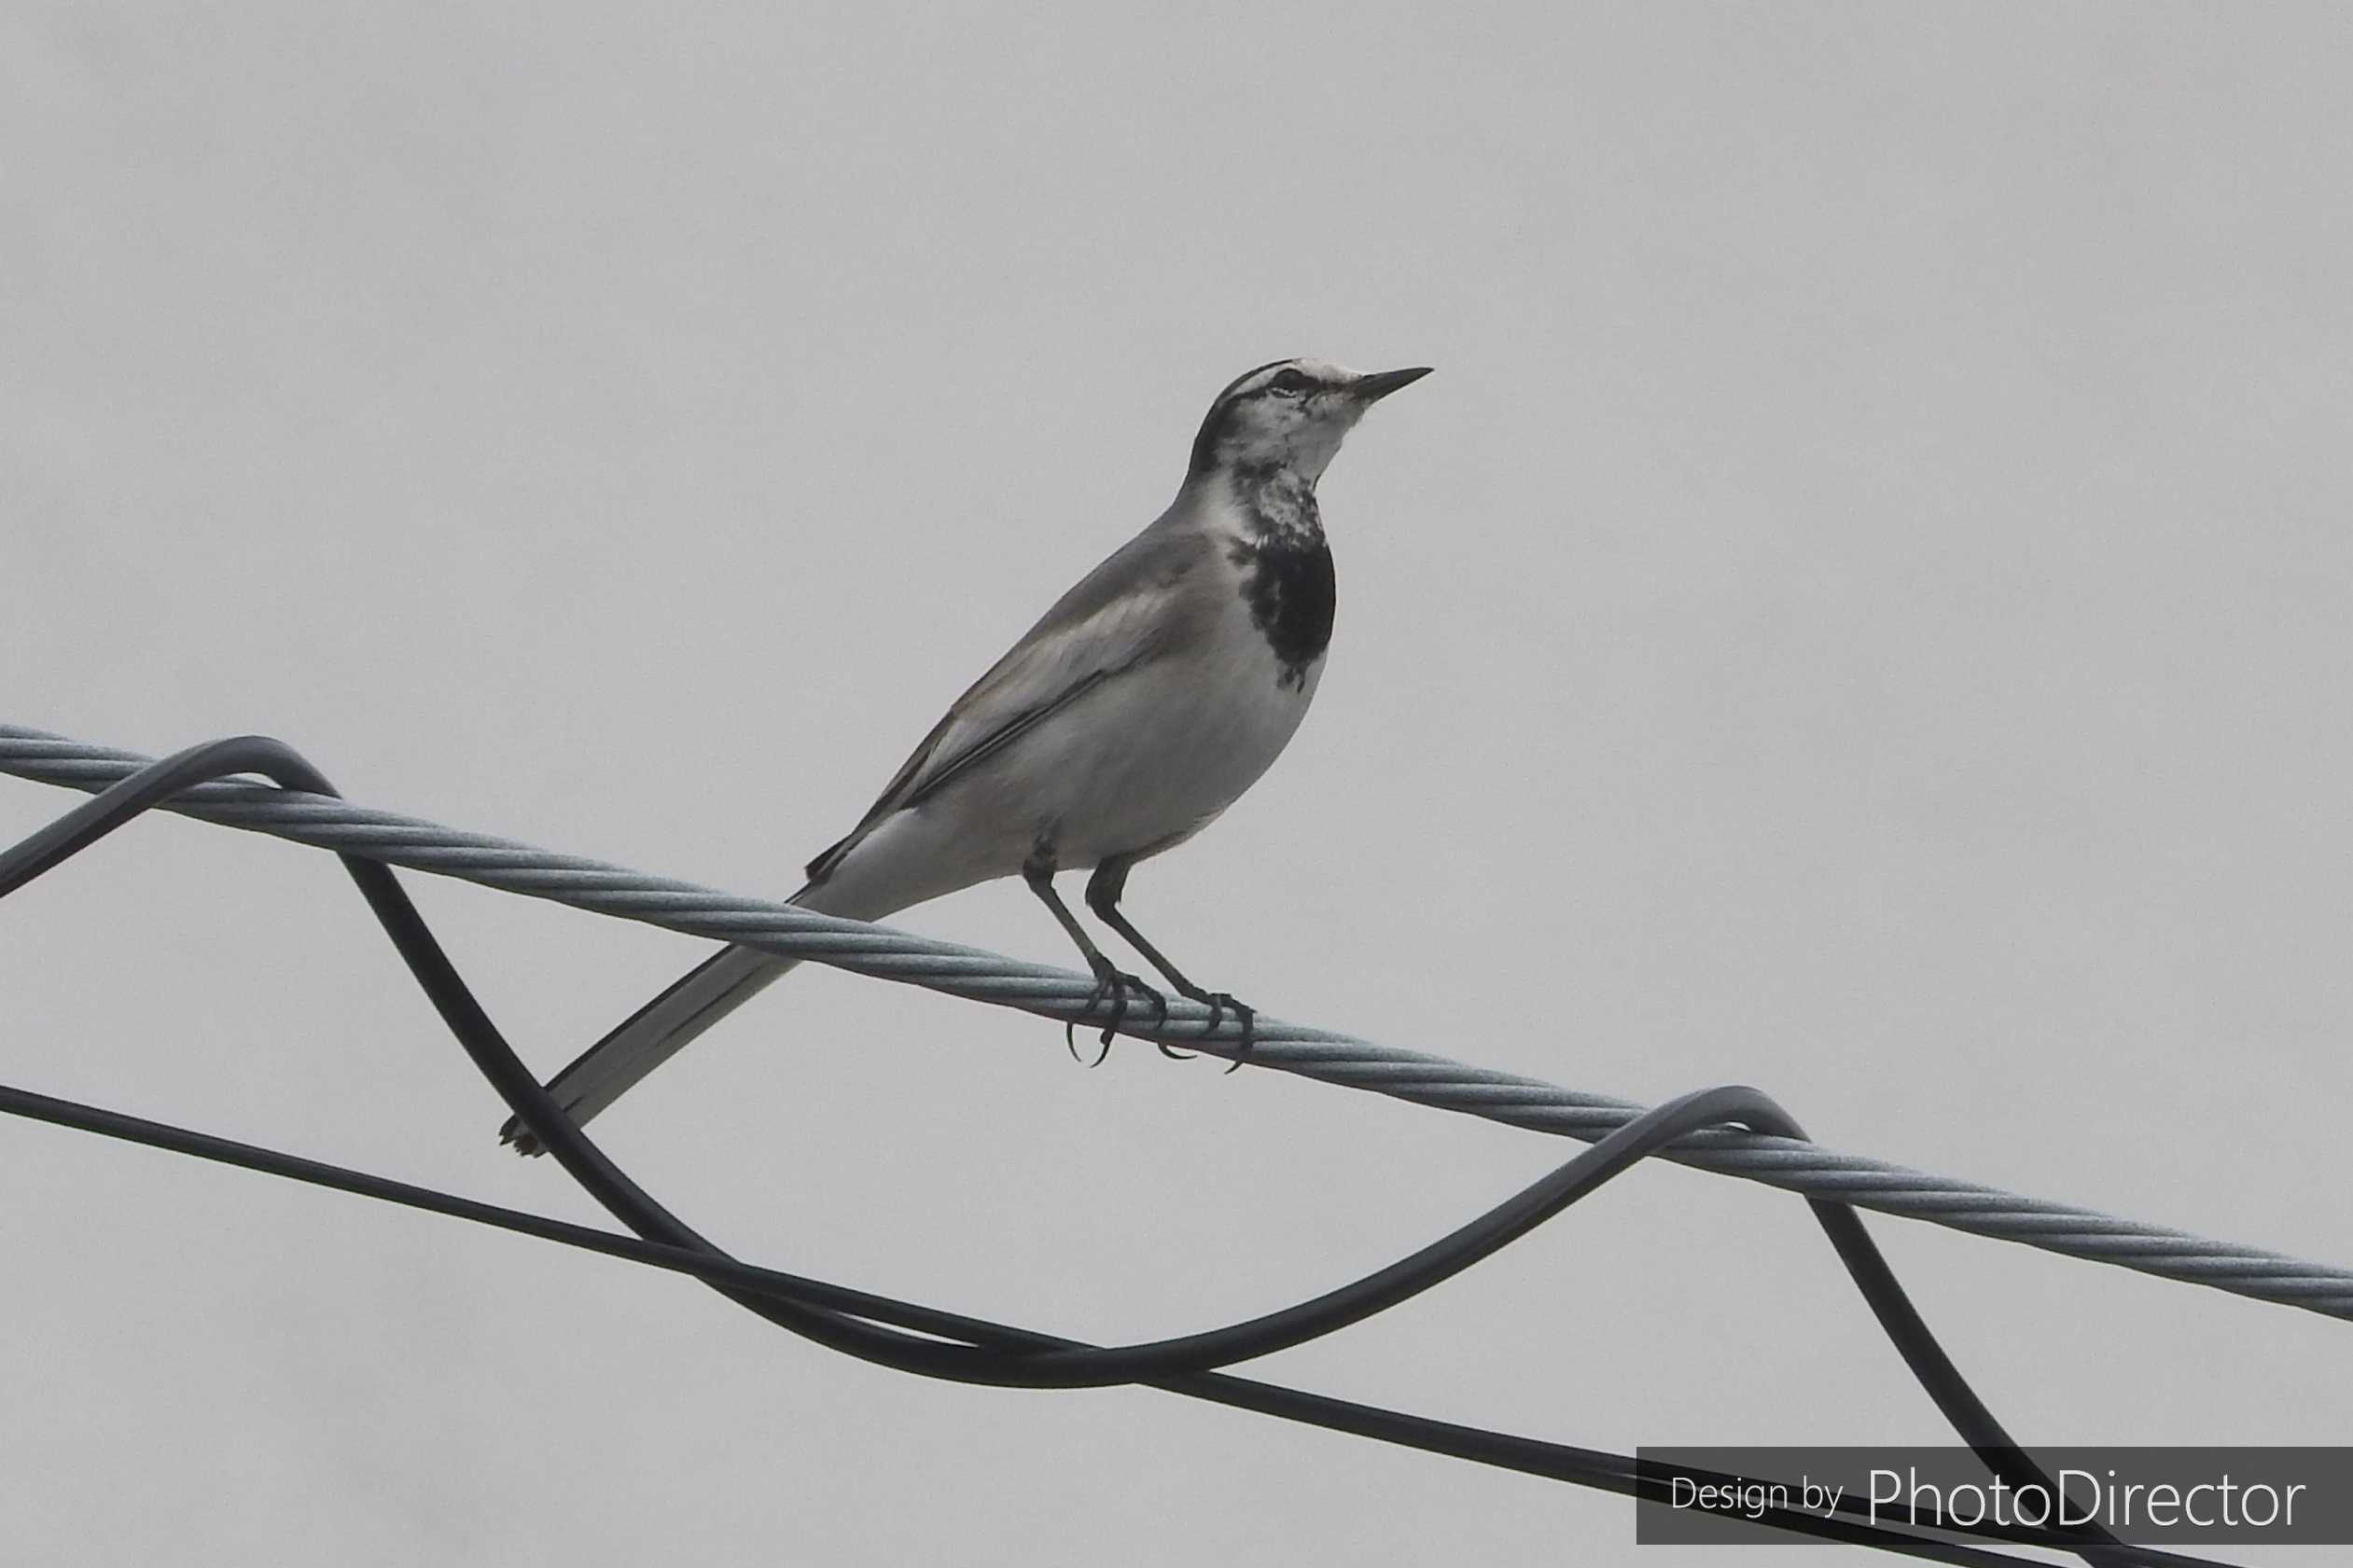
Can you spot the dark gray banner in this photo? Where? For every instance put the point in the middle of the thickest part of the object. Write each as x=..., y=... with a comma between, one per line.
x=2150, y=1497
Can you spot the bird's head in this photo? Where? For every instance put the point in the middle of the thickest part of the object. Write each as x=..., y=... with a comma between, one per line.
x=1289, y=416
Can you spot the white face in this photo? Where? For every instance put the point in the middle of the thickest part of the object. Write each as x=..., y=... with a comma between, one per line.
x=1289, y=415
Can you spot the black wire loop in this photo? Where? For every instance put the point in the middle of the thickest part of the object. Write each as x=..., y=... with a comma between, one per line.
x=932, y=1342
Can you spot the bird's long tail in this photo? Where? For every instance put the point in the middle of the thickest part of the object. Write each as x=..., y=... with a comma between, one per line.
x=653, y=1035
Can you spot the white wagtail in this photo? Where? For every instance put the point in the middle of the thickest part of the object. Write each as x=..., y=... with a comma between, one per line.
x=1146, y=702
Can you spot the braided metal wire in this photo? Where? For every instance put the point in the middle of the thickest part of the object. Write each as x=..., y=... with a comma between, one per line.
x=1791, y=1165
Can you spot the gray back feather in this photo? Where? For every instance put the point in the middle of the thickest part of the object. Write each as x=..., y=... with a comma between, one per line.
x=1153, y=593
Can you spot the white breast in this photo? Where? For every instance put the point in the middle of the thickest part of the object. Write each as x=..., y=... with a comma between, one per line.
x=1164, y=751
x=1136, y=766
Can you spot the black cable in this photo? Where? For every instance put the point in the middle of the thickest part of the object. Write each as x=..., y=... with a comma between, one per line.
x=857, y=1324
x=1064, y=1368
x=1646, y=1479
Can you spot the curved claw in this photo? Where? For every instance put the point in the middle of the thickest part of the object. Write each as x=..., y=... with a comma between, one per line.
x=1218, y=1001
x=1102, y=988
x=1160, y=1016
x=1116, y=986
x=1111, y=983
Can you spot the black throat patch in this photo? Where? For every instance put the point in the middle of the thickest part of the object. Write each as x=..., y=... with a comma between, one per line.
x=1286, y=574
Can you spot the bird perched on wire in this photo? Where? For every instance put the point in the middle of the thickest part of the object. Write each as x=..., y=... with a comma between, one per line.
x=1141, y=706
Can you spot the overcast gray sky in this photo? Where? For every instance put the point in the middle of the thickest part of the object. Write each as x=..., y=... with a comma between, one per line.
x=1862, y=609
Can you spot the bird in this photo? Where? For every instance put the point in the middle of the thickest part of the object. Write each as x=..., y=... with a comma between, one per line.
x=1139, y=707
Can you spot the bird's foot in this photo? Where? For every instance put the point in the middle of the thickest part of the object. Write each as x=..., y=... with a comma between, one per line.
x=1116, y=985
x=1219, y=1004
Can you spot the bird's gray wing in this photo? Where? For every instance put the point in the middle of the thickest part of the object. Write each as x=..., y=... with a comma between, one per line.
x=1151, y=595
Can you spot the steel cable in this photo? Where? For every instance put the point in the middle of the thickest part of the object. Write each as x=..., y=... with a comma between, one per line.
x=1791, y=1165
x=1182, y=1365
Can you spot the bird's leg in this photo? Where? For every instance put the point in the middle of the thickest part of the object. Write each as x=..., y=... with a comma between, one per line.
x=1108, y=979
x=1103, y=890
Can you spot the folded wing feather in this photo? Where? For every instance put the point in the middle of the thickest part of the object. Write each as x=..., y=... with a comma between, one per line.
x=1146, y=599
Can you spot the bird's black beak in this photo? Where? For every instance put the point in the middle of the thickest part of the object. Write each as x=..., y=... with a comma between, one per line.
x=1373, y=388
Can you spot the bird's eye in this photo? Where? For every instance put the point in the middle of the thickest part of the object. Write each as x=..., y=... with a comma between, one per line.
x=1287, y=384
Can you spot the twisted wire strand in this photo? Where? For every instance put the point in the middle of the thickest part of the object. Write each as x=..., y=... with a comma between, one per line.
x=870, y=1327
x=1790, y=1165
